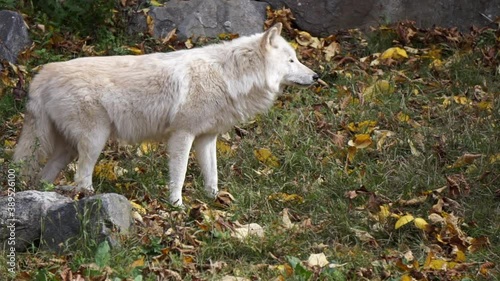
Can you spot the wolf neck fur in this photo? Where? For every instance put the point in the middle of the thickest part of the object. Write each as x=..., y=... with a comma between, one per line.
x=244, y=60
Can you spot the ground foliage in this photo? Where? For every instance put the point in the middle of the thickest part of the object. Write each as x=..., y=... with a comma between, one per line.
x=387, y=170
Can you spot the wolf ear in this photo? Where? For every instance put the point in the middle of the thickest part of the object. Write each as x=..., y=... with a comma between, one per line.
x=270, y=35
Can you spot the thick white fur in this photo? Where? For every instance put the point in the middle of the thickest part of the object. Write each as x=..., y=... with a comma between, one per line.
x=186, y=97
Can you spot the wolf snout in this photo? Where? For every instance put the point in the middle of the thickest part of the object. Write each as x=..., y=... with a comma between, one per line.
x=315, y=76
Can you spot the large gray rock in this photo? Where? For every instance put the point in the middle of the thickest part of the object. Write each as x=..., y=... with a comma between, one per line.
x=324, y=17
x=13, y=36
x=23, y=226
x=92, y=219
x=208, y=18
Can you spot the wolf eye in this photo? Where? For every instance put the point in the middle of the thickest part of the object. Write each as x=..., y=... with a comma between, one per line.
x=291, y=60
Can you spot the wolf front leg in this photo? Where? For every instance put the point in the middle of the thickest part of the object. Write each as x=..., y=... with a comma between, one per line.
x=179, y=146
x=205, y=147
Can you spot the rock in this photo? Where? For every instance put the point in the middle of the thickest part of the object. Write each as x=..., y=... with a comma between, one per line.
x=30, y=207
x=325, y=17
x=13, y=35
x=207, y=18
x=100, y=217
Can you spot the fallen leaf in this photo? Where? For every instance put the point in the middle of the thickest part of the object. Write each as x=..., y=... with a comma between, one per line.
x=331, y=50
x=285, y=219
x=138, y=263
x=265, y=156
x=380, y=87
x=224, y=148
x=395, y=53
x=485, y=268
x=360, y=141
x=286, y=197
x=317, y=260
x=364, y=236
x=479, y=243
x=465, y=159
x=246, y=230
x=403, y=220
x=420, y=223
x=224, y=199
x=413, y=149
x=146, y=148
x=233, y=278
x=189, y=44
x=138, y=207
x=384, y=213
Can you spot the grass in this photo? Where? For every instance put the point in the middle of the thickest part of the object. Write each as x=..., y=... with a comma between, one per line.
x=435, y=116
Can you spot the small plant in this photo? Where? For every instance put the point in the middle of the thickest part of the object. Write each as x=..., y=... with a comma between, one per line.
x=86, y=17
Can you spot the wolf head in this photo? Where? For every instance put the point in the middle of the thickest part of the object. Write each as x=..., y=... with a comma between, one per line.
x=282, y=66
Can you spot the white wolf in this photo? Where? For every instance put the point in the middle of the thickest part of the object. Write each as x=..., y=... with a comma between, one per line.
x=185, y=97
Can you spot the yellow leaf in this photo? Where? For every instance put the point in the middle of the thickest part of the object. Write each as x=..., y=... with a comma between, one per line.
x=380, y=87
x=460, y=256
x=365, y=127
x=224, y=149
x=384, y=87
x=189, y=44
x=265, y=156
x=446, y=102
x=106, y=169
x=485, y=105
x=461, y=100
x=146, y=147
x=361, y=141
x=305, y=39
x=465, y=159
x=437, y=264
x=384, y=213
x=351, y=152
x=285, y=197
x=421, y=223
x=135, y=50
x=138, y=208
x=155, y=3
x=9, y=143
x=150, y=23
x=406, y=277
x=137, y=263
x=395, y=53
x=436, y=64
x=402, y=117
x=403, y=220
x=494, y=158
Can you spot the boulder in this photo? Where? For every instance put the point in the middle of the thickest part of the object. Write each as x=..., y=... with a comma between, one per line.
x=13, y=35
x=92, y=219
x=325, y=17
x=23, y=226
x=205, y=18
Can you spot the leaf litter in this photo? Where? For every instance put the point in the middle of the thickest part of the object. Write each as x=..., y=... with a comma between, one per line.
x=177, y=236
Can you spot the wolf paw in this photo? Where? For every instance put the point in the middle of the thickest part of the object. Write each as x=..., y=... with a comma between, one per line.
x=176, y=201
x=212, y=191
x=72, y=191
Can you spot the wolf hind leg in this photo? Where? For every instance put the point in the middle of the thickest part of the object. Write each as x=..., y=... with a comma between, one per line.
x=62, y=155
x=205, y=147
x=89, y=146
x=179, y=145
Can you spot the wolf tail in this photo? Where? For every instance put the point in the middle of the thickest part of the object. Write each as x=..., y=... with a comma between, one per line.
x=37, y=139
